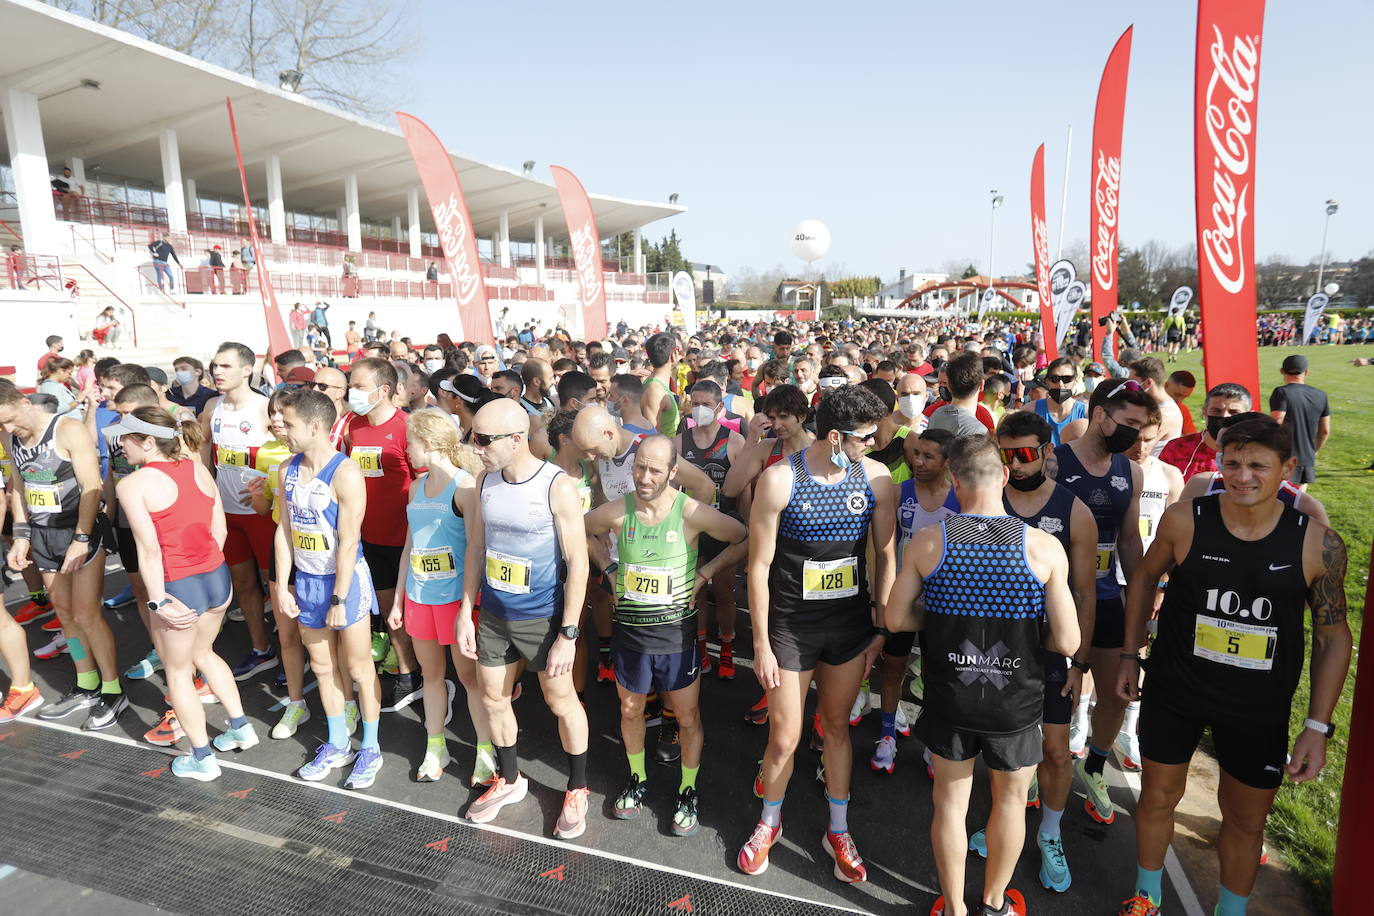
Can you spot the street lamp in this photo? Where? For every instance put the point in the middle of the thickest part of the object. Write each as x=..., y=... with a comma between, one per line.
x=1331, y=208
x=992, y=228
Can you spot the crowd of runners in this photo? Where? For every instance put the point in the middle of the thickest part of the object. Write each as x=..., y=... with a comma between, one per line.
x=992, y=550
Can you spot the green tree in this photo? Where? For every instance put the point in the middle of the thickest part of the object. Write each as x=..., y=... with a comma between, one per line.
x=1133, y=279
x=666, y=255
x=855, y=287
x=969, y=271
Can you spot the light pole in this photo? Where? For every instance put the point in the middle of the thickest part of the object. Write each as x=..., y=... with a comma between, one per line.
x=992, y=230
x=1331, y=208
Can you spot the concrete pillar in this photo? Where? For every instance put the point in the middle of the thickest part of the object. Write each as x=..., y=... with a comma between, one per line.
x=539, y=250
x=413, y=213
x=639, y=250
x=29, y=162
x=352, y=216
x=192, y=200
x=396, y=228
x=276, y=205
x=503, y=239
x=173, y=192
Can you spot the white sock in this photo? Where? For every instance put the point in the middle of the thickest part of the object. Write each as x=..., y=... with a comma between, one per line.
x=1128, y=724
x=1080, y=712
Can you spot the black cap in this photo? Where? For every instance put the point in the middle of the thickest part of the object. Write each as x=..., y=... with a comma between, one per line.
x=1295, y=364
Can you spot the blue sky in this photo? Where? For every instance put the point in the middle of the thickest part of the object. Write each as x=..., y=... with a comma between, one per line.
x=890, y=122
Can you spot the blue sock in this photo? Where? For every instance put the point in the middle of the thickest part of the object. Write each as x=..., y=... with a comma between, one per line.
x=76, y=649
x=1049, y=820
x=772, y=813
x=238, y=721
x=1229, y=904
x=370, y=734
x=889, y=725
x=338, y=735
x=1150, y=883
x=1097, y=758
x=200, y=753
x=839, y=814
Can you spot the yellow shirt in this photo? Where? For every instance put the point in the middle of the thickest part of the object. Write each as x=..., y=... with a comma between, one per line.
x=271, y=454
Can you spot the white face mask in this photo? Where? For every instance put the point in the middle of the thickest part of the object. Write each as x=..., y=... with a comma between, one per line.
x=433, y=365
x=909, y=405
x=704, y=416
x=360, y=401
x=185, y=377
x=755, y=363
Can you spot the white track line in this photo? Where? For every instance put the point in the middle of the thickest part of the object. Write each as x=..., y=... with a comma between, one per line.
x=1187, y=897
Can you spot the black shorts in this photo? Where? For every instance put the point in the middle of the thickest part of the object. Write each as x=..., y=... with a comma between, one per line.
x=1172, y=335
x=48, y=546
x=1058, y=709
x=1303, y=473
x=1000, y=752
x=385, y=563
x=899, y=645
x=1253, y=754
x=803, y=649
x=708, y=548
x=128, y=548
x=504, y=642
x=1109, y=628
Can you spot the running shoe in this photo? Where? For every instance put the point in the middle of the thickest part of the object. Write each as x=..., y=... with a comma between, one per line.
x=653, y=712
x=327, y=758
x=452, y=689
x=405, y=689
x=817, y=733
x=885, y=756
x=390, y=663
x=501, y=793
x=206, y=769
x=979, y=843
x=147, y=666
x=572, y=820
x=18, y=702
x=758, y=713
x=669, y=748
x=1078, y=740
x=33, y=611
x=861, y=707
x=70, y=702
x=704, y=655
x=758, y=781
x=236, y=739
x=907, y=713
x=291, y=719
x=1033, y=793
x=1128, y=749
x=207, y=696
x=1013, y=904
x=483, y=768
x=753, y=856
x=849, y=865
x=725, y=667
x=685, y=815
x=105, y=712
x=166, y=732
x=51, y=626
x=122, y=599
x=1098, y=802
x=52, y=649
x=628, y=802
x=381, y=644
x=365, y=766
x=1139, y=905
x=254, y=662
x=432, y=767
x=605, y=671
x=1054, y=865
x=938, y=908
x=351, y=717
x=235, y=614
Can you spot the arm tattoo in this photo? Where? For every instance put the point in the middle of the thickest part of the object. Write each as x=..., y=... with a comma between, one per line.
x=1327, y=594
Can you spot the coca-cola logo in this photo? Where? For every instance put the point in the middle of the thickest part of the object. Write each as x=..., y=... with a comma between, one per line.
x=586, y=257
x=1230, y=121
x=453, y=238
x=1042, y=259
x=1106, y=186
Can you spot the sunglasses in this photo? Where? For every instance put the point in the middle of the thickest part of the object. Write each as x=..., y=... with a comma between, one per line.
x=1024, y=454
x=1059, y=379
x=485, y=439
x=865, y=438
x=321, y=386
x=1128, y=385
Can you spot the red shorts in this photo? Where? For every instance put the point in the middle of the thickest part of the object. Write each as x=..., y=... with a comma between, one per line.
x=432, y=621
x=249, y=538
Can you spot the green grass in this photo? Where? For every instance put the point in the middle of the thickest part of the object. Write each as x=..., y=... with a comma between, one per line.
x=1304, y=820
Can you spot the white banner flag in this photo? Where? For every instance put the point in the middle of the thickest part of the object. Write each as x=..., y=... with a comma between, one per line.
x=1067, y=291
x=985, y=303
x=1315, y=306
x=1179, y=302
x=685, y=292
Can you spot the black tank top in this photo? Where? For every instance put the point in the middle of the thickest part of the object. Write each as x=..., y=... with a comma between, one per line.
x=984, y=610
x=1107, y=497
x=1231, y=642
x=1054, y=517
x=714, y=460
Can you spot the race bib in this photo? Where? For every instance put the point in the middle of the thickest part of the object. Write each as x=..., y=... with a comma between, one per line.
x=1147, y=527
x=369, y=459
x=1104, y=559
x=584, y=493
x=308, y=541
x=826, y=579
x=432, y=564
x=42, y=498
x=231, y=457
x=507, y=573
x=1240, y=645
x=648, y=584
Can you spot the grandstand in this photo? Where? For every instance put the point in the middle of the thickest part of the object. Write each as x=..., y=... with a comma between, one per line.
x=326, y=186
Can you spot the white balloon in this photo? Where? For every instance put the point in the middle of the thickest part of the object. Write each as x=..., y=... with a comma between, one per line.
x=1331, y=289
x=810, y=240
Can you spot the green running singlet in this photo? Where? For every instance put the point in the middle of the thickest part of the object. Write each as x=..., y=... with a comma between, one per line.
x=670, y=418
x=654, y=613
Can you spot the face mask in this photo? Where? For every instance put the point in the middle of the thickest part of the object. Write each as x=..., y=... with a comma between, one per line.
x=1090, y=383
x=909, y=405
x=1214, y=427
x=359, y=401
x=1122, y=438
x=613, y=407
x=945, y=394
x=1060, y=395
x=1027, y=484
x=840, y=459
x=704, y=416
x=755, y=363
x=433, y=365
x=186, y=377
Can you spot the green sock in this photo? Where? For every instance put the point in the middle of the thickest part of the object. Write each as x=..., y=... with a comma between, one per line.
x=111, y=687
x=689, y=779
x=486, y=747
x=637, y=766
x=88, y=680
x=435, y=743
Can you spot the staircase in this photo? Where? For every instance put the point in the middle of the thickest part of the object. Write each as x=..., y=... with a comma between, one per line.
x=152, y=328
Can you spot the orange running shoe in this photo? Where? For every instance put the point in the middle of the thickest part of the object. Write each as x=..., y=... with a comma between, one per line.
x=758, y=713
x=18, y=702
x=753, y=857
x=166, y=732
x=572, y=820
x=725, y=668
x=849, y=865
x=52, y=625
x=1139, y=905
x=31, y=612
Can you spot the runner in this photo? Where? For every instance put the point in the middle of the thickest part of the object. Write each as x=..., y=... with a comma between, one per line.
x=1095, y=468
x=626, y=393
x=1066, y=415
x=613, y=448
x=1230, y=654
x=235, y=426
x=537, y=378
x=1150, y=373
x=320, y=539
x=658, y=531
x=984, y=683
x=23, y=695
x=811, y=525
x=1197, y=453
x=125, y=402
x=527, y=538
x=333, y=384
x=177, y=523
x=659, y=404
x=55, y=497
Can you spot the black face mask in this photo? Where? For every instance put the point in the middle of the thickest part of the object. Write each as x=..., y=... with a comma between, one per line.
x=1214, y=426
x=1027, y=484
x=945, y=394
x=1059, y=395
x=1122, y=438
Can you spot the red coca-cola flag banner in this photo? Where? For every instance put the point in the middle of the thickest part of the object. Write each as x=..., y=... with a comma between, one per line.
x=1106, y=177
x=454, y=226
x=1226, y=94
x=278, y=340
x=1040, y=244
x=586, y=249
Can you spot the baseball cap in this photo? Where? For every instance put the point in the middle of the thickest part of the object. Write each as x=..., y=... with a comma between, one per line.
x=300, y=375
x=621, y=355
x=1295, y=364
x=485, y=350
x=1094, y=369
x=160, y=376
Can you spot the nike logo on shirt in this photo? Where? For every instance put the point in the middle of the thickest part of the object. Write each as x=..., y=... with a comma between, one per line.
x=1273, y=568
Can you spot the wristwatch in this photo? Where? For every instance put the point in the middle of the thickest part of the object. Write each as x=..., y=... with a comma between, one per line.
x=335, y=601
x=569, y=632
x=154, y=606
x=1326, y=729
x=81, y=538
x=1082, y=666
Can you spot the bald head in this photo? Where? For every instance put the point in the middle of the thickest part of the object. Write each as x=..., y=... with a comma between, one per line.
x=502, y=417
x=911, y=384
x=337, y=382
x=596, y=431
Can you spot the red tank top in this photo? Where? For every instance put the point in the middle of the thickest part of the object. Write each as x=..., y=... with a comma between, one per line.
x=380, y=452
x=183, y=528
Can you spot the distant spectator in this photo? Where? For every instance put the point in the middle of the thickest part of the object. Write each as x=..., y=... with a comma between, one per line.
x=320, y=319
x=15, y=267
x=84, y=377
x=161, y=250
x=238, y=274
x=55, y=348
x=190, y=389
x=432, y=272
x=246, y=253
x=372, y=329
x=298, y=322
x=57, y=376
x=216, y=270
x=106, y=330
x=352, y=338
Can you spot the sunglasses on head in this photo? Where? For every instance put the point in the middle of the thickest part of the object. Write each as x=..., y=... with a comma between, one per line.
x=865, y=438
x=1025, y=454
x=486, y=439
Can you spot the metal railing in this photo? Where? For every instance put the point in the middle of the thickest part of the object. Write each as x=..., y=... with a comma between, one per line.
x=25, y=271
x=122, y=307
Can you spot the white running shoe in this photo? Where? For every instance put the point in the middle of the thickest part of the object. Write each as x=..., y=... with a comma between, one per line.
x=1078, y=740
x=291, y=720
x=907, y=714
x=1128, y=749
x=885, y=756
x=863, y=705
